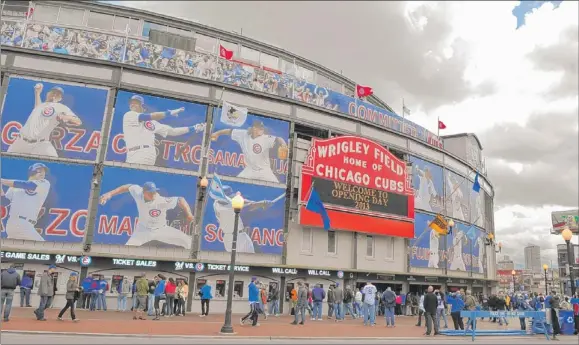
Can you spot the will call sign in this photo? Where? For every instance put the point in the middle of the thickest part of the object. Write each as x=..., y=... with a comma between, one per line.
x=363, y=186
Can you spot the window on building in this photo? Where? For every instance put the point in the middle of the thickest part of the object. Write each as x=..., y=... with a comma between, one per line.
x=305, y=74
x=200, y=283
x=349, y=91
x=45, y=13
x=288, y=67
x=270, y=61
x=14, y=9
x=205, y=44
x=71, y=16
x=306, y=132
x=121, y=24
x=369, y=246
x=148, y=26
x=323, y=81
x=180, y=32
x=238, y=289
x=101, y=21
x=332, y=239
x=250, y=54
x=230, y=46
x=389, y=250
x=307, y=240
x=220, y=288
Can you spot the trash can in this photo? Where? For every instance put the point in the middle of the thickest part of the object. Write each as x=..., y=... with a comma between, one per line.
x=567, y=322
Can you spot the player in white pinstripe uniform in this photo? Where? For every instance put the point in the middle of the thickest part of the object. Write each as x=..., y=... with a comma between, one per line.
x=34, y=136
x=152, y=207
x=26, y=199
x=139, y=130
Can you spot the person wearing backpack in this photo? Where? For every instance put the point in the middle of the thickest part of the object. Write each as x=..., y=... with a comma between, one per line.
x=389, y=300
x=349, y=302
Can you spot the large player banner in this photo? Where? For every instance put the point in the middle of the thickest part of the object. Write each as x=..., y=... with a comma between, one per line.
x=364, y=187
x=163, y=132
x=140, y=207
x=427, y=182
x=457, y=196
x=249, y=149
x=52, y=119
x=44, y=201
x=261, y=221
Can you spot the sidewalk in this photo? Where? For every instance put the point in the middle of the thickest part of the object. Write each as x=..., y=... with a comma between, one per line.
x=112, y=322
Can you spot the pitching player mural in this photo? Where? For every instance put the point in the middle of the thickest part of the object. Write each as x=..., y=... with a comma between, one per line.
x=260, y=226
x=249, y=146
x=152, y=214
x=147, y=134
x=458, y=240
x=52, y=128
x=457, y=196
x=427, y=183
x=35, y=206
x=151, y=206
x=480, y=246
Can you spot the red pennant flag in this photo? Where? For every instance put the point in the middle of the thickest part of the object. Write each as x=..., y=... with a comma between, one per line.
x=441, y=125
x=224, y=53
x=363, y=91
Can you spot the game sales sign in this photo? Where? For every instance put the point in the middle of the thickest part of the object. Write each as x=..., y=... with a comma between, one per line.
x=363, y=186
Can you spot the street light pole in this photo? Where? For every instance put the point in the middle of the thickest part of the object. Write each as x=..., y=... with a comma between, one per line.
x=513, y=272
x=567, y=235
x=545, y=267
x=237, y=204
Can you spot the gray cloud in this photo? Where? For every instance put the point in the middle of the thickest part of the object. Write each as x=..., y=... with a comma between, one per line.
x=373, y=43
x=562, y=56
x=547, y=146
x=514, y=238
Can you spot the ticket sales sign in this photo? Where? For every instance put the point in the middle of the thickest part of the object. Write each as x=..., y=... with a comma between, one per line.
x=363, y=186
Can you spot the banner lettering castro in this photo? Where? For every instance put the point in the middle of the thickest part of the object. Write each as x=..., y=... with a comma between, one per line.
x=363, y=186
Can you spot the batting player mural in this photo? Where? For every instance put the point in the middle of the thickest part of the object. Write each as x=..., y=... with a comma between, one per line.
x=255, y=148
x=157, y=131
x=65, y=120
x=458, y=242
x=261, y=222
x=457, y=196
x=134, y=211
x=37, y=206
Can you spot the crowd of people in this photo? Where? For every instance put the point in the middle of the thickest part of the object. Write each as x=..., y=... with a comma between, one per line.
x=167, y=297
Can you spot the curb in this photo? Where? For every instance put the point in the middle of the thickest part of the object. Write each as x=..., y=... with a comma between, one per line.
x=209, y=337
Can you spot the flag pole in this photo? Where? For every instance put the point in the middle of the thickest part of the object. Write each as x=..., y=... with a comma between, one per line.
x=356, y=100
x=403, y=115
x=438, y=127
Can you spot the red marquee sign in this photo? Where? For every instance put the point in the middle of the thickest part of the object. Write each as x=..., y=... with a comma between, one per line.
x=363, y=186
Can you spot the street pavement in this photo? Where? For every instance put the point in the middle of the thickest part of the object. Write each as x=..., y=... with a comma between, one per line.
x=274, y=330
x=48, y=339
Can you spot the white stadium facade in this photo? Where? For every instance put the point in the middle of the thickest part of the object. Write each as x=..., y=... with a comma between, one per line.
x=103, y=56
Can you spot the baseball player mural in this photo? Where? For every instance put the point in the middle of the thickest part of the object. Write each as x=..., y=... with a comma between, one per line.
x=34, y=136
x=252, y=212
x=152, y=212
x=26, y=198
x=458, y=240
x=434, y=257
x=255, y=145
x=425, y=191
x=480, y=244
x=456, y=198
x=140, y=130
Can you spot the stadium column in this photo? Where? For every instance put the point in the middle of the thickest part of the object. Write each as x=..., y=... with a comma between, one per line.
x=289, y=191
x=97, y=176
x=200, y=205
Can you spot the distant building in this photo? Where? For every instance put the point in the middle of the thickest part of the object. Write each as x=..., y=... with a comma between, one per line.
x=562, y=260
x=533, y=258
x=505, y=263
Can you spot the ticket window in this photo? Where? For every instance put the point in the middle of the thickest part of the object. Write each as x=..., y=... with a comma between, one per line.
x=55, y=277
x=220, y=288
x=179, y=280
x=115, y=282
x=288, y=291
x=272, y=285
x=200, y=284
x=238, y=289
x=31, y=274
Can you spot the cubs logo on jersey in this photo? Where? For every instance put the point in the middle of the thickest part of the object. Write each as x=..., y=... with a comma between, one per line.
x=48, y=111
x=149, y=125
x=154, y=213
x=257, y=148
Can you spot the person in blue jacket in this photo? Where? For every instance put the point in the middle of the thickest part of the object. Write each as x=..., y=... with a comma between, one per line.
x=253, y=303
x=158, y=293
x=520, y=303
x=456, y=306
x=206, y=296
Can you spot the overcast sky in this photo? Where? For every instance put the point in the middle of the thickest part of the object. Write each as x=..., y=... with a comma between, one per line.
x=482, y=67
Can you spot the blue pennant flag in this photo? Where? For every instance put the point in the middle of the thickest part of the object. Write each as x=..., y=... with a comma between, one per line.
x=316, y=205
x=476, y=184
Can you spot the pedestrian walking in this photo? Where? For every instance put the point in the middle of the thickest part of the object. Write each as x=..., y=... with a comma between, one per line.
x=71, y=296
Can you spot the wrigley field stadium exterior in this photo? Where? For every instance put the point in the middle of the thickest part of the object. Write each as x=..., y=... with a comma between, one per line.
x=112, y=117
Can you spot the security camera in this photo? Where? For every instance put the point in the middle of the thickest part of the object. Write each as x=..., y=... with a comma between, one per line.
x=95, y=182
